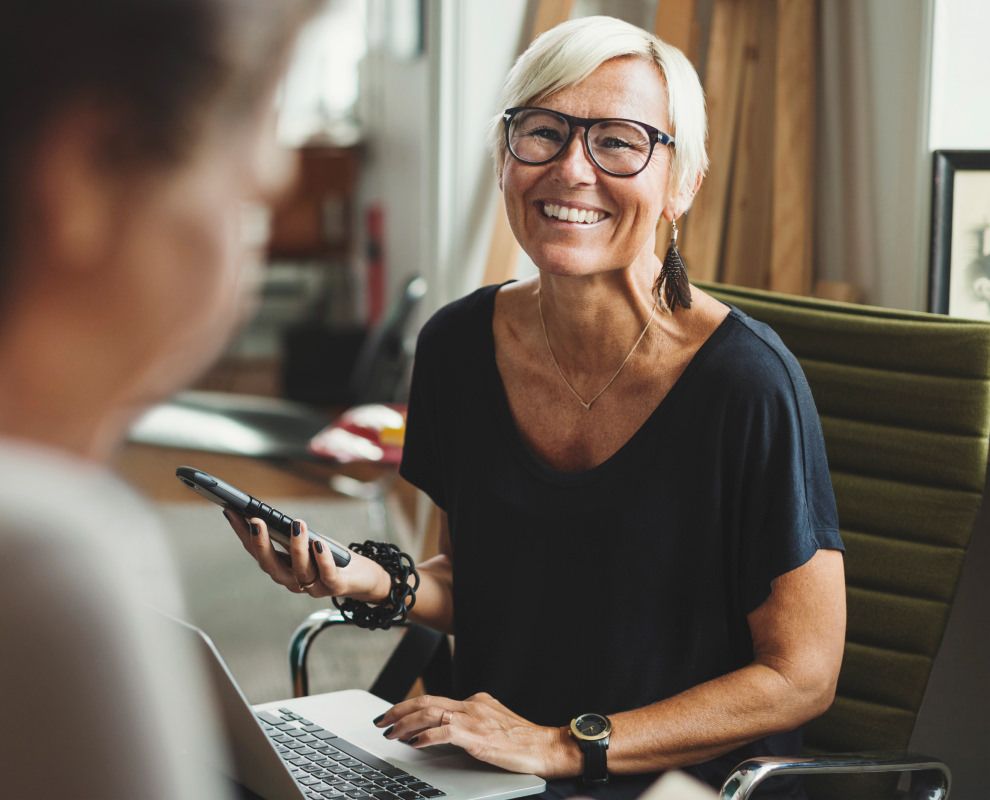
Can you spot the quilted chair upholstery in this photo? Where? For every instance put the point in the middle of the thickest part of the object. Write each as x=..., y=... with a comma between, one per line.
x=904, y=400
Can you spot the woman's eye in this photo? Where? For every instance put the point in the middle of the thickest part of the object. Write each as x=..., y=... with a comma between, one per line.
x=614, y=143
x=550, y=134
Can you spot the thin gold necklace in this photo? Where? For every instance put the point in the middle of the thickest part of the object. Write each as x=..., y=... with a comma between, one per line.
x=589, y=403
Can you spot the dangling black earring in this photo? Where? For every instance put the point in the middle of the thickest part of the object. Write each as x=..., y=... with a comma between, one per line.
x=673, y=278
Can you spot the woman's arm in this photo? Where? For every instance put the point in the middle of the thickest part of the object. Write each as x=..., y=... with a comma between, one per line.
x=435, y=597
x=316, y=574
x=798, y=636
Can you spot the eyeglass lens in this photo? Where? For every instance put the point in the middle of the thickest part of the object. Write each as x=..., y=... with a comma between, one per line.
x=616, y=146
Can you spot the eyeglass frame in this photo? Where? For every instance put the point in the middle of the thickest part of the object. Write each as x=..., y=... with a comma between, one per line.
x=656, y=136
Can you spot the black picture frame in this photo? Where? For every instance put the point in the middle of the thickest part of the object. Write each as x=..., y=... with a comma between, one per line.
x=946, y=165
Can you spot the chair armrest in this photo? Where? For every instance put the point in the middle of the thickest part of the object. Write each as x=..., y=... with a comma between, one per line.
x=421, y=653
x=931, y=780
x=302, y=639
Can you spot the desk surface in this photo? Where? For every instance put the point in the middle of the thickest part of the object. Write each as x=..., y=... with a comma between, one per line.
x=151, y=470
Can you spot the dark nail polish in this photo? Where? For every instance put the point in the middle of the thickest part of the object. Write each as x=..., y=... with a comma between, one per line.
x=318, y=546
x=255, y=529
x=413, y=740
x=296, y=527
x=378, y=719
x=388, y=730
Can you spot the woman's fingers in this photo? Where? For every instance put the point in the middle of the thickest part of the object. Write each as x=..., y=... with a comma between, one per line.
x=294, y=571
x=418, y=721
x=481, y=725
x=325, y=565
x=426, y=703
x=440, y=734
x=268, y=559
x=302, y=566
x=309, y=566
x=241, y=528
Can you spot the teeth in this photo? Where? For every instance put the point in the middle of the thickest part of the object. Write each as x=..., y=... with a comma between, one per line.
x=565, y=214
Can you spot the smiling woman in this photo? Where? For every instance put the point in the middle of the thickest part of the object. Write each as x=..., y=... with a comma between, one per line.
x=640, y=558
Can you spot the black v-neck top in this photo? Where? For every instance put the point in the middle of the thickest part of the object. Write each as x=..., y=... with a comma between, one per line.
x=615, y=587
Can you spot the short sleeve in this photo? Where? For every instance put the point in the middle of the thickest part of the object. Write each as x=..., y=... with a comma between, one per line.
x=421, y=452
x=788, y=509
x=93, y=681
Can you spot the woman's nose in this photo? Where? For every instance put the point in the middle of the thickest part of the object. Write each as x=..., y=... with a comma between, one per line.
x=574, y=165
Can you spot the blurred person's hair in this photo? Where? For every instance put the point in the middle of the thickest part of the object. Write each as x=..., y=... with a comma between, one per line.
x=160, y=71
x=570, y=52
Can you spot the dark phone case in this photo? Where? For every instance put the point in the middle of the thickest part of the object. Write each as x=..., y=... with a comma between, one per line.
x=279, y=524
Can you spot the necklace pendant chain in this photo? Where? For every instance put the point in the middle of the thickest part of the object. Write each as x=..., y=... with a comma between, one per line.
x=587, y=404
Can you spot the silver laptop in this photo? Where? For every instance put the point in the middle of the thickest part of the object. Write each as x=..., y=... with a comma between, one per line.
x=325, y=747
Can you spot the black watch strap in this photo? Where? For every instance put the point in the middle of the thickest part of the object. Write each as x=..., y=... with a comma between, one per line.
x=595, y=761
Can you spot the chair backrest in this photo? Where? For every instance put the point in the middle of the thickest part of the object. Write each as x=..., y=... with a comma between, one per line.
x=384, y=358
x=904, y=400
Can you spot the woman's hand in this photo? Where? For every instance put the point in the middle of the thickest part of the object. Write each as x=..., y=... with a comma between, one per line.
x=310, y=570
x=485, y=729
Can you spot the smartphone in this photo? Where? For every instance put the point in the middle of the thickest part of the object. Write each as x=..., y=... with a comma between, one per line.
x=279, y=524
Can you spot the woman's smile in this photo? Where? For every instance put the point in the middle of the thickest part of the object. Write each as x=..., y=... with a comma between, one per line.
x=571, y=214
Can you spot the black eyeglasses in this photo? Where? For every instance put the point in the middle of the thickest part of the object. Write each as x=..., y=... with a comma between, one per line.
x=621, y=147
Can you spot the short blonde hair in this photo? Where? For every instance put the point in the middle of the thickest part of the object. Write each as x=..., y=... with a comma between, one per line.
x=570, y=52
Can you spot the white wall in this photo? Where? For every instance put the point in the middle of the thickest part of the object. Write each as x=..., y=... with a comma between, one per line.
x=960, y=109
x=395, y=109
x=475, y=44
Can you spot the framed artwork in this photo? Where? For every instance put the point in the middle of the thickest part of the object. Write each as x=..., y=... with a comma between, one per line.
x=959, y=283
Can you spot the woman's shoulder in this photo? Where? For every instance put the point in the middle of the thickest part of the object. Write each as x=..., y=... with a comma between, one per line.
x=462, y=317
x=751, y=360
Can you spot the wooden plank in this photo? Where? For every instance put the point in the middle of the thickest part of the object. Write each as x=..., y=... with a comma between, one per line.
x=794, y=151
x=676, y=24
x=549, y=14
x=838, y=290
x=702, y=247
x=503, y=249
x=746, y=257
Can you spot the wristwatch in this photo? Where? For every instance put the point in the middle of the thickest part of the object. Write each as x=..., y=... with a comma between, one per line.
x=592, y=732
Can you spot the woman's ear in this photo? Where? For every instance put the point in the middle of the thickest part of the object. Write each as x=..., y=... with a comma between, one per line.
x=73, y=193
x=680, y=201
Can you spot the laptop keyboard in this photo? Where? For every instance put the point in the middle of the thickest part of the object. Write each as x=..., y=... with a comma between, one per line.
x=330, y=768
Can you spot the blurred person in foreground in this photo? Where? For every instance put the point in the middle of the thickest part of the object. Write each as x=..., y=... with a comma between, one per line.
x=132, y=135
x=639, y=531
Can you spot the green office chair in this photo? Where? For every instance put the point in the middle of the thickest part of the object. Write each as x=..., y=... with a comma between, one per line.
x=905, y=401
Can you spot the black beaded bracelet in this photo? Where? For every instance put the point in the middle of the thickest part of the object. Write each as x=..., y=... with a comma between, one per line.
x=401, y=597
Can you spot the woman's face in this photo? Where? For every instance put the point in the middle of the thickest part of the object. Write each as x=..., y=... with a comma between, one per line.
x=630, y=207
x=185, y=255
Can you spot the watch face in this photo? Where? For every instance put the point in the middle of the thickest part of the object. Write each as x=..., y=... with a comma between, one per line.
x=592, y=726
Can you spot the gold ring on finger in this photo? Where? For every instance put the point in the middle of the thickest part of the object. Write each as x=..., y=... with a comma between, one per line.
x=304, y=586
x=445, y=718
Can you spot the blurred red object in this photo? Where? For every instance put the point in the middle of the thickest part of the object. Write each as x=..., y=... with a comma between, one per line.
x=375, y=223
x=373, y=432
